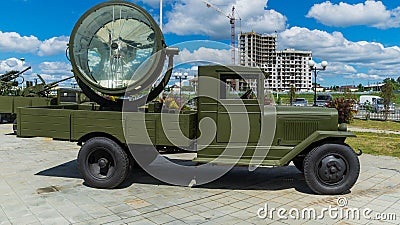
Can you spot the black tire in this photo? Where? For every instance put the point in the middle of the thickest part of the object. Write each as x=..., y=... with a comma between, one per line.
x=331, y=169
x=299, y=163
x=103, y=163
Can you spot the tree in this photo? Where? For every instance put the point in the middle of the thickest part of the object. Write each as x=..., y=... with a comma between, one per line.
x=398, y=80
x=387, y=93
x=360, y=88
x=292, y=94
x=344, y=107
x=395, y=84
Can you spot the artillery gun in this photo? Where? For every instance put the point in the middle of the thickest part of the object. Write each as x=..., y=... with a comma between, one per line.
x=43, y=89
x=12, y=96
x=8, y=83
x=117, y=52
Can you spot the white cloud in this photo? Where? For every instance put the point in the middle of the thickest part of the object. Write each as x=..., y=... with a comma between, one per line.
x=203, y=54
x=189, y=17
x=335, y=47
x=365, y=76
x=370, y=13
x=48, y=70
x=48, y=78
x=55, y=68
x=341, y=68
x=391, y=71
x=14, y=42
x=53, y=46
x=10, y=64
x=51, y=71
x=362, y=59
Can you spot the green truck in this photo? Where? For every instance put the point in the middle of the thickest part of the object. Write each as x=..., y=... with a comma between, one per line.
x=117, y=52
x=11, y=97
x=39, y=94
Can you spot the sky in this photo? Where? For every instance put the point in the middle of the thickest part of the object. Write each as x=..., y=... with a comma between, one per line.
x=359, y=39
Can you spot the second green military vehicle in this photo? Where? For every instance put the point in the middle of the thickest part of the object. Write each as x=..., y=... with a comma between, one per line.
x=33, y=94
x=11, y=98
x=118, y=51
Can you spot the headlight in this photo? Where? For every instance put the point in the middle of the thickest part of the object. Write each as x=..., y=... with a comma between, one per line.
x=342, y=127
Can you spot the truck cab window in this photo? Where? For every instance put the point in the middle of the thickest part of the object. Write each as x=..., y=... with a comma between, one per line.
x=239, y=89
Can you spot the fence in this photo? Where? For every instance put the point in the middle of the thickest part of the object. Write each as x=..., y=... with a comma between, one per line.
x=392, y=116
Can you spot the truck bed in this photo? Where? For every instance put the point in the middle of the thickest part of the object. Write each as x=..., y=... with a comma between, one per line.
x=75, y=122
x=10, y=104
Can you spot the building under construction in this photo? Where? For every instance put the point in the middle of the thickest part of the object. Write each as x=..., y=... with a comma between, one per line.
x=287, y=68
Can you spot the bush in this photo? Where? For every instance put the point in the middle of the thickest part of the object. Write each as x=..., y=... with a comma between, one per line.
x=344, y=108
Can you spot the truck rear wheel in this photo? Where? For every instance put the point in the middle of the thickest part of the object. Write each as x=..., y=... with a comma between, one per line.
x=103, y=163
x=331, y=169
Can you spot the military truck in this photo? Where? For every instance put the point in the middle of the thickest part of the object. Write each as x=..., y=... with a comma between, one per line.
x=118, y=52
x=31, y=95
x=11, y=98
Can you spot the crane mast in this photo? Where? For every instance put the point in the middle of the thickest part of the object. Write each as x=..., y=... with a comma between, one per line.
x=232, y=21
x=233, y=36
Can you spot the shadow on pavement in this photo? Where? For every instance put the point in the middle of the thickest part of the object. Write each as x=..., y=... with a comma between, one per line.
x=67, y=170
x=239, y=178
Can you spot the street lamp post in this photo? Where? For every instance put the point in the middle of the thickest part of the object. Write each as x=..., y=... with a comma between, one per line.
x=313, y=68
x=23, y=62
x=180, y=77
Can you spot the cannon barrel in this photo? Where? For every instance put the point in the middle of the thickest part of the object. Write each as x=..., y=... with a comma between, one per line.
x=51, y=85
x=116, y=48
x=8, y=76
x=23, y=71
x=12, y=75
x=41, y=90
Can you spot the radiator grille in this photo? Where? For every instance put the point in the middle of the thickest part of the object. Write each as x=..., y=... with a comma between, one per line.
x=299, y=130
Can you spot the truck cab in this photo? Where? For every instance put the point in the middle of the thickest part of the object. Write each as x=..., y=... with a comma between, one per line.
x=255, y=132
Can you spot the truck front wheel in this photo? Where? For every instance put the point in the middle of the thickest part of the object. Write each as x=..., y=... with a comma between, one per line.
x=103, y=163
x=331, y=169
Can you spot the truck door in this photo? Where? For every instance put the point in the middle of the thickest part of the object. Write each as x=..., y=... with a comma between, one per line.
x=239, y=109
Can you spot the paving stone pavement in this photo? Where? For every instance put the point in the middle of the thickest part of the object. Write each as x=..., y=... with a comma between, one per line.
x=39, y=184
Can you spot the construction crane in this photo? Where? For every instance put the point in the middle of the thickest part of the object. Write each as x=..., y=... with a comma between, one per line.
x=232, y=20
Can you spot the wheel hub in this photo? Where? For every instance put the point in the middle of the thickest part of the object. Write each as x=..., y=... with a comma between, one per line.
x=103, y=163
x=332, y=169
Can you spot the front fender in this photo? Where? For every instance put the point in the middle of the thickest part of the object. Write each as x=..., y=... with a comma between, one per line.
x=315, y=137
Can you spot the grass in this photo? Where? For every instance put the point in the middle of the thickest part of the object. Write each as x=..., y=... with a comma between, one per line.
x=376, y=144
x=374, y=124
